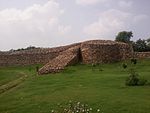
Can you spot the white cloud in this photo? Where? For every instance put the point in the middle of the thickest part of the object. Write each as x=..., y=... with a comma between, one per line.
x=108, y=23
x=35, y=25
x=125, y=4
x=111, y=22
x=89, y=2
x=64, y=29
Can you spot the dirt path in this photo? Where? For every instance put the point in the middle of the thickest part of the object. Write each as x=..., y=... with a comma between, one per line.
x=13, y=83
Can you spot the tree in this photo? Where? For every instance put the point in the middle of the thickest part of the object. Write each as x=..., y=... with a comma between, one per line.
x=148, y=42
x=140, y=46
x=124, y=36
x=28, y=48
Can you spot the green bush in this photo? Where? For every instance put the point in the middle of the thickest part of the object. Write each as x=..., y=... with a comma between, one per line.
x=135, y=80
x=134, y=61
x=132, y=80
x=142, y=82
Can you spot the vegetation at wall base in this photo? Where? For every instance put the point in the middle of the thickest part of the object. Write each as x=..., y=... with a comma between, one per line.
x=124, y=65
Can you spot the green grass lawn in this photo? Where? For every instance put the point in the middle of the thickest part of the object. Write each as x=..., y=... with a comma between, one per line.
x=8, y=74
x=104, y=90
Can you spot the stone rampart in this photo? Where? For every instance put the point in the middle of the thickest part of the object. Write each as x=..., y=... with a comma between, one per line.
x=68, y=57
x=102, y=51
x=142, y=55
x=125, y=50
x=56, y=59
x=34, y=56
x=26, y=59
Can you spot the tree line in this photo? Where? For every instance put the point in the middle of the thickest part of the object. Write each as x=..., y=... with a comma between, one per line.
x=21, y=49
x=140, y=45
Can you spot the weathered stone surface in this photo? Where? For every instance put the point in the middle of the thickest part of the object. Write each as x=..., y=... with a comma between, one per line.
x=102, y=51
x=125, y=50
x=141, y=55
x=34, y=56
x=68, y=57
x=26, y=59
x=56, y=59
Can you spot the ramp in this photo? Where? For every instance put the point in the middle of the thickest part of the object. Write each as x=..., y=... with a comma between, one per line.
x=68, y=57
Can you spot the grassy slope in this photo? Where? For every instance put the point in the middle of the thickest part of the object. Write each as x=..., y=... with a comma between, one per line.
x=100, y=89
x=7, y=75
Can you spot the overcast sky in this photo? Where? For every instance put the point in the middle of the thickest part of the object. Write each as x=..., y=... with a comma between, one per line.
x=49, y=23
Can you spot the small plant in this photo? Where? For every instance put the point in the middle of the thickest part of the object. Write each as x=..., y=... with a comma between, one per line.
x=75, y=107
x=96, y=66
x=124, y=66
x=37, y=68
x=29, y=69
x=100, y=67
x=134, y=61
x=134, y=79
x=93, y=66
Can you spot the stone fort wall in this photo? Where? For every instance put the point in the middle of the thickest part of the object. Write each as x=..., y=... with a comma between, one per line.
x=65, y=58
x=89, y=52
x=29, y=57
x=105, y=51
x=93, y=51
x=142, y=55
